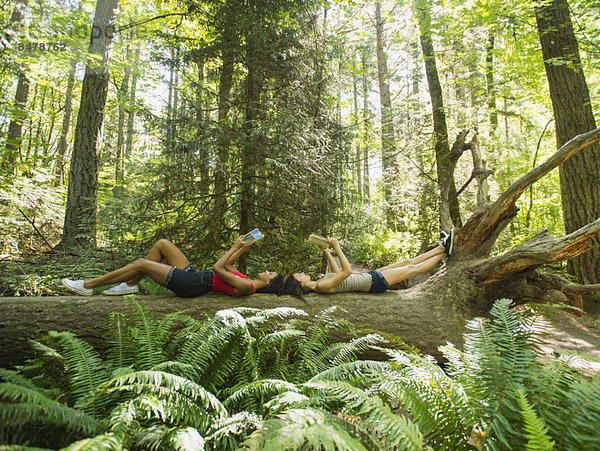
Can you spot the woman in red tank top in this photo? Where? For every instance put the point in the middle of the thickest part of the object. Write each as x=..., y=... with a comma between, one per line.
x=178, y=275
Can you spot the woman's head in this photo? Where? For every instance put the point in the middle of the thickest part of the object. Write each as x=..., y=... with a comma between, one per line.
x=280, y=285
x=303, y=279
x=274, y=281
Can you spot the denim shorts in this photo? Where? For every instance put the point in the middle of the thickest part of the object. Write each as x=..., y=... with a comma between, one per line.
x=189, y=283
x=379, y=284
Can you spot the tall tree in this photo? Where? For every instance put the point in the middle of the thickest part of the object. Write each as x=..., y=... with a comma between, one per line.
x=80, y=216
x=451, y=217
x=573, y=115
x=15, y=128
x=388, y=138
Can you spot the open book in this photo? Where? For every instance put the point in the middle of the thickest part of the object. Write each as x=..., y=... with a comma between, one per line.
x=318, y=240
x=252, y=236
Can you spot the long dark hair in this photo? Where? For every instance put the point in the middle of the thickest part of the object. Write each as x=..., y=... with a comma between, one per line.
x=280, y=285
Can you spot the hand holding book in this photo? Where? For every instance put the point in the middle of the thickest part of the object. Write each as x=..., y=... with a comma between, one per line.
x=252, y=237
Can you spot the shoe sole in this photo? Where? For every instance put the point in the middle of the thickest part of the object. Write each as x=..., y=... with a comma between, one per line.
x=76, y=290
x=120, y=293
x=451, y=238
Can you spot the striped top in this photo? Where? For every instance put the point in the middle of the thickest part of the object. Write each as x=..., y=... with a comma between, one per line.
x=360, y=282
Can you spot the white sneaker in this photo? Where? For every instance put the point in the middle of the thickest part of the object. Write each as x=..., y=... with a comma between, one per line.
x=77, y=287
x=122, y=289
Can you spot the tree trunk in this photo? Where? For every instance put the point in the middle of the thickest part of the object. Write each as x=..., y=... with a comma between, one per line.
x=80, y=216
x=490, y=84
x=573, y=115
x=448, y=217
x=224, y=138
x=15, y=128
x=250, y=151
x=131, y=109
x=366, y=124
x=388, y=139
x=122, y=97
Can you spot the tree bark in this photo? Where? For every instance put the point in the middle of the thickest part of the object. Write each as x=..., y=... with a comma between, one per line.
x=15, y=127
x=59, y=163
x=80, y=216
x=573, y=115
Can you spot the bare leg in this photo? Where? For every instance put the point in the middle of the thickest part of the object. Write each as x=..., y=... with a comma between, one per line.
x=439, y=249
x=398, y=274
x=150, y=266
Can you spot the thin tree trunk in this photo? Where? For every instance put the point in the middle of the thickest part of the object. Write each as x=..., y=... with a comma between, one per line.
x=224, y=137
x=366, y=123
x=122, y=97
x=489, y=78
x=131, y=106
x=573, y=115
x=15, y=127
x=450, y=218
x=388, y=139
x=358, y=156
x=80, y=216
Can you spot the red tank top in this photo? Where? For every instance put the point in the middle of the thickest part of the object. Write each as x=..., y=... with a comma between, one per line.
x=221, y=287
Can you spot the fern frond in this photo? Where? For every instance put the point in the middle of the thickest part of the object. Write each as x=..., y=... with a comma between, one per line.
x=535, y=427
x=310, y=359
x=301, y=429
x=216, y=351
x=160, y=437
x=105, y=442
x=85, y=369
x=397, y=431
x=286, y=400
x=177, y=368
x=177, y=397
x=224, y=434
x=436, y=403
x=358, y=370
x=501, y=358
x=348, y=351
x=43, y=420
x=148, y=340
x=263, y=316
x=121, y=351
x=576, y=421
x=253, y=395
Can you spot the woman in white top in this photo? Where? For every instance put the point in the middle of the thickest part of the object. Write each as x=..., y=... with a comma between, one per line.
x=344, y=280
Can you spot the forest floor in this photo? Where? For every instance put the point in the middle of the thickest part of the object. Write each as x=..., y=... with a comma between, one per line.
x=576, y=338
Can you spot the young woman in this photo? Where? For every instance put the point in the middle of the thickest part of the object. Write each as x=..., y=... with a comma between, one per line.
x=343, y=280
x=177, y=274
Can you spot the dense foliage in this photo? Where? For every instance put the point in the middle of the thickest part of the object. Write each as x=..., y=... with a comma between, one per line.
x=223, y=116
x=270, y=380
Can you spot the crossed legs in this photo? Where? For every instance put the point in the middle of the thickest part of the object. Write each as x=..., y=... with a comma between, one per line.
x=151, y=266
x=397, y=272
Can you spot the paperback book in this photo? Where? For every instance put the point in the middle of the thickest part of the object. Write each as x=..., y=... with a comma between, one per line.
x=318, y=240
x=252, y=236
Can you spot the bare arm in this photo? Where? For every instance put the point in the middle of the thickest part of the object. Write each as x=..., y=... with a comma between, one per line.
x=327, y=285
x=332, y=264
x=234, y=257
x=241, y=287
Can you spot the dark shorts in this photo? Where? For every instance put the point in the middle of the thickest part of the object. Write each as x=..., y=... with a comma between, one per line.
x=189, y=283
x=379, y=284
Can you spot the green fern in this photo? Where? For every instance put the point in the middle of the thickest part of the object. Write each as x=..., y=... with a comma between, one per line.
x=85, y=369
x=397, y=431
x=253, y=395
x=121, y=351
x=535, y=428
x=302, y=429
x=146, y=335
